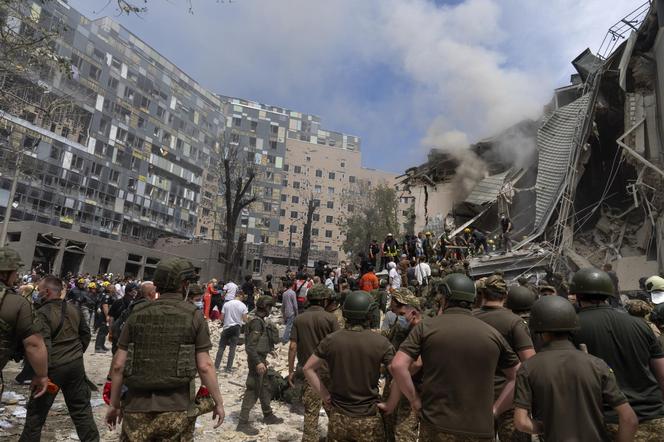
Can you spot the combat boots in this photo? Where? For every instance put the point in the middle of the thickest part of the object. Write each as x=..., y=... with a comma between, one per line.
x=271, y=419
x=246, y=428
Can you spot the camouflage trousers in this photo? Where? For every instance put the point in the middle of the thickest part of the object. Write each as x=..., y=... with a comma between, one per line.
x=402, y=425
x=312, y=403
x=429, y=433
x=169, y=426
x=506, y=430
x=342, y=428
x=648, y=431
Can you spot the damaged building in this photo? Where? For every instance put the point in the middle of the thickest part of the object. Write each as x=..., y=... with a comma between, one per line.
x=583, y=185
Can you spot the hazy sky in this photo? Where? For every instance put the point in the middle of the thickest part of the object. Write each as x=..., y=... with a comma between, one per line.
x=404, y=75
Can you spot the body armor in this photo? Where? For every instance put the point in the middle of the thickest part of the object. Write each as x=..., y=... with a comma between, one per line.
x=162, y=351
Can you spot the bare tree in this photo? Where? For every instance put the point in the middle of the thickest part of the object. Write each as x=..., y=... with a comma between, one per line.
x=236, y=179
x=312, y=205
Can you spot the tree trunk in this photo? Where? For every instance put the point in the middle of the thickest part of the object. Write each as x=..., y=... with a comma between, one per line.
x=306, y=234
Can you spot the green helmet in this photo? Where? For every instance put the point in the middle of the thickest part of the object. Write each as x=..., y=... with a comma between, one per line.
x=592, y=281
x=358, y=306
x=10, y=260
x=195, y=290
x=520, y=298
x=458, y=287
x=319, y=292
x=657, y=314
x=265, y=302
x=171, y=273
x=435, y=270
x=553, y=314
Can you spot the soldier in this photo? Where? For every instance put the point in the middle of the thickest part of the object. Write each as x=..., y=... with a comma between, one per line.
x=162, y=346
x=308, y=330
x=460, y=355
x=657, y=318
x=81, y=298
x=16, y=324
x=67, y=336
x=543, y=386
x=520, y=300
x=354, y=356
x=402, y=426
x=516, y=333
x=627, y=345
x=261, y=337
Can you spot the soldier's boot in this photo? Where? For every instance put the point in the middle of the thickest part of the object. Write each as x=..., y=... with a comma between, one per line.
x=246, y=428
x=271, y=419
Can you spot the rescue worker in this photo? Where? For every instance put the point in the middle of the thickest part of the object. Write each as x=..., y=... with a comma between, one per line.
x=460, y=355
x=67, y=336
x=657, y=318
x=520, y=300
x=354, y=357
x=390, y=250
x=401, y=424
x=562, y=410
x=261, y=337
x=308, y=330
x=506, y=227
x=655, y=287
x=162, y=346
x=627, y=345
x=515, y=331
x=17, y=327
x=427, y=246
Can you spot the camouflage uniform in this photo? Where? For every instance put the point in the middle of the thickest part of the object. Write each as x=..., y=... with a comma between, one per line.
x=506, y=429
x=312, y=403
x=344, y=428
x=429, y=433
x=171, y=426
x=648, y=431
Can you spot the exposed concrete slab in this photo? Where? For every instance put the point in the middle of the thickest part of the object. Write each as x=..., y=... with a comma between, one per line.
x=630, y=269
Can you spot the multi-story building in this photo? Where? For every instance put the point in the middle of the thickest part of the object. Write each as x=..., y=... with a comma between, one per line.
x=129, y=165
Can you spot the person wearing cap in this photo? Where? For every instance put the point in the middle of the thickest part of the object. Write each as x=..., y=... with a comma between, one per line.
x=655, y=288
x=545, y=400
x=547, y=290
x=657, y=318
x=309, y=329
x=163, y=345
x=627, y=345
x=515, y=331
x=460, y=355
x=401, y=424
x=17, y=324
x=354, y=357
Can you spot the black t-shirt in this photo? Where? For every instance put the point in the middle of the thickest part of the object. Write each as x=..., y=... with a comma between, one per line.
x=248, y=290
x=627, y=345
x=505, y=224
x=117, y=308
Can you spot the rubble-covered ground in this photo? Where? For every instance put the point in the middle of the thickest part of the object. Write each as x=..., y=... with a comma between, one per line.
x=60, y=427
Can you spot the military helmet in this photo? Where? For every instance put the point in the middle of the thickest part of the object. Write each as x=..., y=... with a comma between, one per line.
x=358, y=306
x=195, y=290
x=435, y=270
x=553, y=314
x=520, y=298
x=265, y=302
x=657, y=314
x=10, y=260
x=592, y=281
x=171, y=273
x=458, y=287
x=319, y=292
x=407, y=297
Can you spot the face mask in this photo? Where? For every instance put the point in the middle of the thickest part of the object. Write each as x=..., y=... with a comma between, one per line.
x=199, y=305
x=35, y=297
x=403, y=322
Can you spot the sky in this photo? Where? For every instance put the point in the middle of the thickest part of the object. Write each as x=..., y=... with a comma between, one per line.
x=404, y=75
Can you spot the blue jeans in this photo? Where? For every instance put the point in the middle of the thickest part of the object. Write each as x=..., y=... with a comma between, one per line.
x=287, y=330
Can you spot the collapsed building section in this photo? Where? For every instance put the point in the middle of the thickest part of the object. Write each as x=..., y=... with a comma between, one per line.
x=591, y=191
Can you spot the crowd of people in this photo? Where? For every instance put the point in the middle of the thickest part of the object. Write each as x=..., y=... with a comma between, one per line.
x=417, y=351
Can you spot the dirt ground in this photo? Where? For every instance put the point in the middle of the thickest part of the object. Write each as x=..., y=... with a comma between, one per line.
x=59, y=426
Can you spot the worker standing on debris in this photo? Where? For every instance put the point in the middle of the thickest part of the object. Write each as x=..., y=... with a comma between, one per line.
x=309, y=329
x=627, y=345
x=401, y=421
x=354, y=356
x=67, y=336
x=563, y=410
x=516, y=333
x=446, y=344
x=506, y=227
x=390, y=250
x=162, y=346
x=427, y=247
x=261, y=337
x=374, y=251
x=17, y=326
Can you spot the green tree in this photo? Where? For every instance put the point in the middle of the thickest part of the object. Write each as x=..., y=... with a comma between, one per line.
x=376, y=218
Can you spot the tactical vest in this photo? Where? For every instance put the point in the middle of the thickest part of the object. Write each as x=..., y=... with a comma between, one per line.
x=269, y=337
x=162, y=351
x=6, y=334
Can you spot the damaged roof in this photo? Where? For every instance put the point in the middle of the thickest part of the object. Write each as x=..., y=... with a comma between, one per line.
x=487, y=190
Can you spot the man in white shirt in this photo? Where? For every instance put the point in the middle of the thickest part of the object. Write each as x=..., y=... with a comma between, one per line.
x=393, y=276
x=233, y=315
x=230, y=290
x=422, y=274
